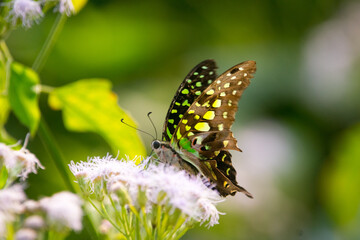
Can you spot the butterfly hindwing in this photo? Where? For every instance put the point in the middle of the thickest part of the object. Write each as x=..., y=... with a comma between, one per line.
x=199, y=78
x=204, y=132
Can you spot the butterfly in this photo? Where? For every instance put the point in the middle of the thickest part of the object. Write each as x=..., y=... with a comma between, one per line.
x=196, y=135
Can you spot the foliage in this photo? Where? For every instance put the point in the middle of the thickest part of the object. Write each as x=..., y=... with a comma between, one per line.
x=341, y=181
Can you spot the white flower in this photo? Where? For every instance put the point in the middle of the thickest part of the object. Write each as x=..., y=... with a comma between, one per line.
x=10, y=205
x=102, y=168
x=2, y=225
x=19, y=163
x=34, y=222
x=7, y=156
x=185, y=192
x=157, y=184
x=31, y=206
x=29, y=161
x=11, y=200
x=66, y=6
x=63, y=210
x=26, y=234
x=105, y=227
x=28, y=11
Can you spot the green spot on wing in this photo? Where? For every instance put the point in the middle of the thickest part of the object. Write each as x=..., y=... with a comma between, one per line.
x=178, y=134
x=186, y=103
x=171, y=121
x=168, y=133
x=186, y=144
x=185, y=91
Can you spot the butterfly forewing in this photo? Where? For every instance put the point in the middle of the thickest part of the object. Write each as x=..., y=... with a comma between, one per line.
x=191, y=88
x=204, y=130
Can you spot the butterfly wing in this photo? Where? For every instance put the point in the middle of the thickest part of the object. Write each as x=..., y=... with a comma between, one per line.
x=199, y=78
x=203, y=136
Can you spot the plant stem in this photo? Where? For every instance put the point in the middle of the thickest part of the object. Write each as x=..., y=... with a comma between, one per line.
x=46, y=89
x=8, y=61
x=53, y=149
x=107, y=217
x=49, y=42
x=5, y=50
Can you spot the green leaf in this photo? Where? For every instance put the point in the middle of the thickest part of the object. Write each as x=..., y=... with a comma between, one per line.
x=4, y=102
x=4, y=105
x=89, y=105
x=341, y=181
x=3, y=176
x=23, y=97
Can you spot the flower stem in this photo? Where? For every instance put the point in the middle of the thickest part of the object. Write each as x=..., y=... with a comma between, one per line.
x=46, y=89
x=5, y=50
x=176, y=227
x=8, y=60
x=107, y=217
x=49, y=42
x=53, y=149
x=120, y=219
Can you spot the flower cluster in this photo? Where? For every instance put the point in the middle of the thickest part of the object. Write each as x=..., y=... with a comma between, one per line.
x=155, y=200
x=18, y=163
x=63, y=211
x=67, y=7
x=27, y=12
x=60, y=213
x=11, y=200
x=28, y=219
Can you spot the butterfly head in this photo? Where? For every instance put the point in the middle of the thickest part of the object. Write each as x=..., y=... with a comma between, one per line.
x=162, y=150
x=155, y=145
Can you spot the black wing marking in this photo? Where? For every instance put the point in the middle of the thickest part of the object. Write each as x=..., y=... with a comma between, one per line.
x=199, y=78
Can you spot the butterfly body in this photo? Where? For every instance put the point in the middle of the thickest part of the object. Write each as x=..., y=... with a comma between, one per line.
x=197, y=135
x=168, y=155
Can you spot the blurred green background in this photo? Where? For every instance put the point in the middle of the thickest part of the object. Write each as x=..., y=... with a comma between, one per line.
x=298, y=122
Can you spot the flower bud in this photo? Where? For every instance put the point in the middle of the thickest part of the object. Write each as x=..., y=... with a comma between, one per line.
x=121, y=192
x=142, y=199
x=31, y=206
x=26, y=234
x=99, y=188
x=35, y=222
x=105, y=226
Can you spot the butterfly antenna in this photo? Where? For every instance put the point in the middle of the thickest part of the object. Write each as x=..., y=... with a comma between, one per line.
x=122, y=120
x=152, y=123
